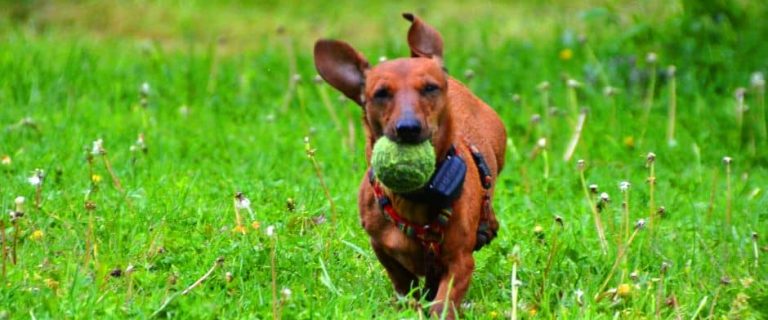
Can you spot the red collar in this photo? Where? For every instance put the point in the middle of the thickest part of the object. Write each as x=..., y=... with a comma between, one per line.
x=429, y=235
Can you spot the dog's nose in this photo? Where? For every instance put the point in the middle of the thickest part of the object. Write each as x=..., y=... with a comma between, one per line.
x=408, y=129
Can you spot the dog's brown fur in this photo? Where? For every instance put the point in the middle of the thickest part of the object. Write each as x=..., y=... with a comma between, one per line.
x=450, y=116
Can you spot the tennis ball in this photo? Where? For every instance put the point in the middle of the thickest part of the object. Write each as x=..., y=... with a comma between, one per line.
x=403, y=167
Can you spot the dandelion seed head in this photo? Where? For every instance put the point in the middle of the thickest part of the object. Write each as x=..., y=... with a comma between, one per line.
x=739, y=93
x=382, y=58
x=270, y=231
x=650, y=158
x=144, y=88
x=184, y=110
x=624, y=186
x=286, y=293
x=242, y=201
x=543, y=86
x=609, y=91
x=572, y=83
x=757, y=80
x=542, y=143
x=559, y=220
x=604, y=197
x=651, y=57
x=35, y=180
x=98, y=147
x=727, y=160
x=640, y=224
x=535, y=118
x=671, y=71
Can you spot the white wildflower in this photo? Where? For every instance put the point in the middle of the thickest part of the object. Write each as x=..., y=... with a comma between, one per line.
x=757, y=80
x=98, y=147
x=35, y=180
x=572, y=83
x=144, y=89
x=624, y=186
x=651, y=57
x=270, y=231
x=286, y=293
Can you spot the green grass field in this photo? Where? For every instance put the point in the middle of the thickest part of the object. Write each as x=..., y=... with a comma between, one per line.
x=230, y=97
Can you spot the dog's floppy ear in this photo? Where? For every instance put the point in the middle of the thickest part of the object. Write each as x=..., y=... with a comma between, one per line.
x=423, y=40
x=341, y=66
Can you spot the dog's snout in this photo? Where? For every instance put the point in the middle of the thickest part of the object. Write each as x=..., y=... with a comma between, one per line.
x=408, y=129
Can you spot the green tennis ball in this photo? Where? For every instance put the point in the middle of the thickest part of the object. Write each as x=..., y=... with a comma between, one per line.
x=403, y=167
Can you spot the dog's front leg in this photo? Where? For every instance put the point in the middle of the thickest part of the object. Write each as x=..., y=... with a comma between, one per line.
x=453, y=285
x=403, y=280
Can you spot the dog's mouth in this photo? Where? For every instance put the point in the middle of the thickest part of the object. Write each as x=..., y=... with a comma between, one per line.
x=405, y=139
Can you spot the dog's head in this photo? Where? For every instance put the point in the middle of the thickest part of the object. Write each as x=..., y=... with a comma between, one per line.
x=404, y=99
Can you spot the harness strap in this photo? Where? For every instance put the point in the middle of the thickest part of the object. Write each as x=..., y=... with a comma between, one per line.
x=431, y=235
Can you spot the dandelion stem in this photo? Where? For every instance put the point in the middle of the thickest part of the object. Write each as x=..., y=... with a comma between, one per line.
x=713, y=189
x=651, y=195
x=38, y=195
x=311, y=155
x=761, y=112
x=622, y=250
x=219, y=261
x=740, y=115
x=514, y=289
x=15, y=224
x=573, y=101
x=273, y=267
x=728, y=203
x=238, y=219
x=2, y=242
x=660, y=290
x=115, y=180
x=595, y=214
x=672, y=106
x=728, y=195
x=755, y=250
x=576, y=136
x=548, y=268
x=625, y=210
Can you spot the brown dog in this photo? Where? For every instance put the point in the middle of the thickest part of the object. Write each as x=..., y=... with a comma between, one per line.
x=410, y=100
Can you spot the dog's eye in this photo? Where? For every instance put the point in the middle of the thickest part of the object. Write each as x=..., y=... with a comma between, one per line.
x=430, y=89
x=381, y=94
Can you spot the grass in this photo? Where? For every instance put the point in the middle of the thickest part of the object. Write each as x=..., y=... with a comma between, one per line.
x=219, y=117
